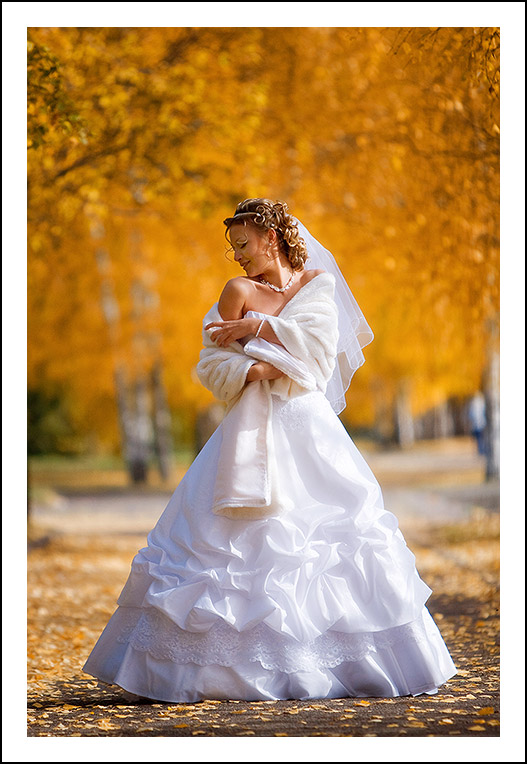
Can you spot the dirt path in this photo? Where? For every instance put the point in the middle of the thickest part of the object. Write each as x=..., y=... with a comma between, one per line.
x=74, y=581
x=83, y=544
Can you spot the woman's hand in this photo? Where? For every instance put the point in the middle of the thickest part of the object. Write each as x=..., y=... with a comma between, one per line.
x=263, y=370
x=230, y=331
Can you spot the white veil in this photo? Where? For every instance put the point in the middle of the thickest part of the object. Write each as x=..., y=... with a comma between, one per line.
x=354, y=332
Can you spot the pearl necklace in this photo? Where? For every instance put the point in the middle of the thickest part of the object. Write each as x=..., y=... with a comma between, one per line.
x=278, y=289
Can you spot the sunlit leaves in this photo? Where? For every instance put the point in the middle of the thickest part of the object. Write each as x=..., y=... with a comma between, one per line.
x=385, y=141
x=52, y=114
x=73, y=585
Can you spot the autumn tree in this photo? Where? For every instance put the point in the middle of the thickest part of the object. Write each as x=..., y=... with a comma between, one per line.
x=384, y=141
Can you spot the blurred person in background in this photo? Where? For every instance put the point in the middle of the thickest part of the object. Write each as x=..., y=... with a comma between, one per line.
x=478, y=421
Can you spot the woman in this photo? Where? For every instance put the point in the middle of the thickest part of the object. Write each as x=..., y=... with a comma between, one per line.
x=275, y=572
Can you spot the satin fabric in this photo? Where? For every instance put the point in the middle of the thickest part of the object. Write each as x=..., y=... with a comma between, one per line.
x=246, y=473
x=321, y=600
x=247, y=476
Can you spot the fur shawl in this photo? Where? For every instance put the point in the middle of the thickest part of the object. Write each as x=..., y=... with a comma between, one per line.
x=307, y=327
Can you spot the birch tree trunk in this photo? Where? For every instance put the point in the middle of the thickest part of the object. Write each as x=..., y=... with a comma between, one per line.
x=132, y=403
x=443, y=421
x=384, y=424
x=162, y=423
x=404, y=422
x=135, y=424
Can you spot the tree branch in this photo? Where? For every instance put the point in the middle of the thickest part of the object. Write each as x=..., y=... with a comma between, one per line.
x=89, y=158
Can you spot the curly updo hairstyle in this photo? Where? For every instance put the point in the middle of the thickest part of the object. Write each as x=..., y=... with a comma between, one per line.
x=265, y=214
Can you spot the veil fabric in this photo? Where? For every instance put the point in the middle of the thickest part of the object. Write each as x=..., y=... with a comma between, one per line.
x=354, y=331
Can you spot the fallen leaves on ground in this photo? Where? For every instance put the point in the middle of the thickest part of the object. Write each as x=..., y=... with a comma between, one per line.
x=73, y=585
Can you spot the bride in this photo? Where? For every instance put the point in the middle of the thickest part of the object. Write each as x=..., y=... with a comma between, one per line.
x=275, y=572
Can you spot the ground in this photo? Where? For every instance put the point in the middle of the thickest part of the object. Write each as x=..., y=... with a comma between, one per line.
x=80, y=550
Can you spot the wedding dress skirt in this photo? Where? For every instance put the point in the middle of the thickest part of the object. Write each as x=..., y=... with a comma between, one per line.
x=321, y=601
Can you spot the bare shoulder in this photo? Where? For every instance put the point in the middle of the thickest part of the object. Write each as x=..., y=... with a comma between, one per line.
x=312, y=273
x=236, y=286
x=236, y=290
x=233, y=297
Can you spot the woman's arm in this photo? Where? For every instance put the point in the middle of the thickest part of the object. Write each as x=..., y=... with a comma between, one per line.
x=263, y=370
x=231, y=307
x=266, y=333
x=232, y=300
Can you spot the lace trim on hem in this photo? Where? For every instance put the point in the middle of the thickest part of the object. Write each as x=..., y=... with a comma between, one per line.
x=149, y=630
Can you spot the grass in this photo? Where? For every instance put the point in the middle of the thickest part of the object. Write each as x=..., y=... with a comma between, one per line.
x=50, y=473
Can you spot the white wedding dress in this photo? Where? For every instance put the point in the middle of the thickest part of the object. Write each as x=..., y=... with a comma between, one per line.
x=320, y=601
x=315, y=594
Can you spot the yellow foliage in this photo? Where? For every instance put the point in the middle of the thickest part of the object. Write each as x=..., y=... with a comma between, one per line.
x=141, y=140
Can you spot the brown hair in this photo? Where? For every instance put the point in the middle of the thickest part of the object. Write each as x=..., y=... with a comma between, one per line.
x=265, y=214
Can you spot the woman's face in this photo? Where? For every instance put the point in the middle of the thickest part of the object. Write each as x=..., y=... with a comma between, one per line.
x=250, y=248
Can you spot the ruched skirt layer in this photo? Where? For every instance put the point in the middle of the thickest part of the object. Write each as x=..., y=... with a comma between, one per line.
x=321, y=601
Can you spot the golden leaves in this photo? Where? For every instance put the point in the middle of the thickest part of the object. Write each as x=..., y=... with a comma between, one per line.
x=396, y=163
x=71, y=598
x=106, y=724
x=178, y=109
